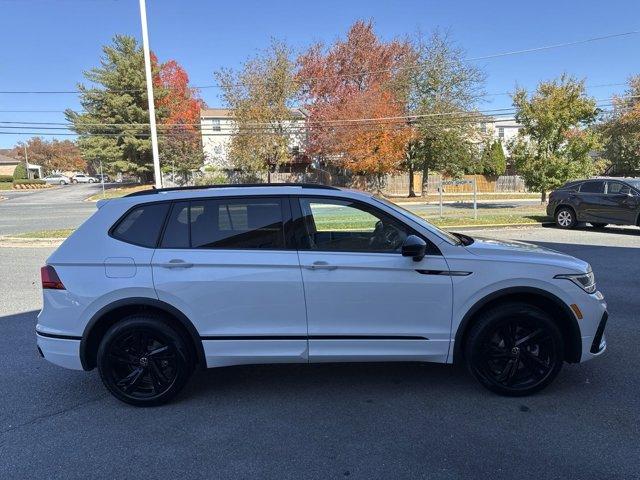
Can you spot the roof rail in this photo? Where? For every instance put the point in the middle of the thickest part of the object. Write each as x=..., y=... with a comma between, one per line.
x=230, y=185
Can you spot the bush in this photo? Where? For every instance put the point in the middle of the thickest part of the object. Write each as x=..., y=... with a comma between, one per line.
x=6, y=178
x=24, y=181
x=20, y=173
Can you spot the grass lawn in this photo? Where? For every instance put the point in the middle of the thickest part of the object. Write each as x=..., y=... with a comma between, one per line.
x=117, y=192
x=5, y=185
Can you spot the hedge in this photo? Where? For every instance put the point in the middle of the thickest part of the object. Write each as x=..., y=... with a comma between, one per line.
x=33, y=181
x=6, y=178
x=20, y=173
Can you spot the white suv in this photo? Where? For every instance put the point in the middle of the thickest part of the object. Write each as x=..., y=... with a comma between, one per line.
x=161, y=281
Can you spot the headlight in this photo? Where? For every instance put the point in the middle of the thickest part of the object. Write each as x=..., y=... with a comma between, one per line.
x=586, y=281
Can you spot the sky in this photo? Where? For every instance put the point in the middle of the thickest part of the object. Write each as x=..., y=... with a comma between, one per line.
x=47, y=44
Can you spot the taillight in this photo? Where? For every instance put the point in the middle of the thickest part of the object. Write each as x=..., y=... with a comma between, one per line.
x=50, y=278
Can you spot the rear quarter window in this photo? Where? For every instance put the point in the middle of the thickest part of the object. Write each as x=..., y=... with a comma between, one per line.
x=141, y=225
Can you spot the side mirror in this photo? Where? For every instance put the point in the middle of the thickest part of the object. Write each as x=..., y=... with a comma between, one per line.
x=415, y=247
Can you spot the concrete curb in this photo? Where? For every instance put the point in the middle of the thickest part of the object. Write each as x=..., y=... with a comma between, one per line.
x=13, y=242
x=498, y=226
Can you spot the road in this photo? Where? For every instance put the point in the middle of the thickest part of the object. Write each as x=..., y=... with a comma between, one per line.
x=35, y=210
x=326, y=421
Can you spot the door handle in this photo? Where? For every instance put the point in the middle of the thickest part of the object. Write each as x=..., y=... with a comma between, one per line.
x=320, y=266
x=176, y=263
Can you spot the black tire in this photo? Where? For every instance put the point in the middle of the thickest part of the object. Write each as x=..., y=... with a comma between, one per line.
x=598, y=225
x=565, y=217
x=514, y=349
x=143, y=361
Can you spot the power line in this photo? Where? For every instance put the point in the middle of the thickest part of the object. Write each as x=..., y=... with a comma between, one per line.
x=370, y=72
x=262, y=131
x=479, y=116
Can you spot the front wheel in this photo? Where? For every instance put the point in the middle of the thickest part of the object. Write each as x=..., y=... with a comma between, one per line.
x=143, y=361
x=514, y=349
x=566, y=218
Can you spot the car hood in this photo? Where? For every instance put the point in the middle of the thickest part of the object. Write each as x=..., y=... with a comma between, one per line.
x=524, y=252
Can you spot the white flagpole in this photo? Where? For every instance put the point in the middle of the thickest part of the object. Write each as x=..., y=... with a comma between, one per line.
x=152, y=109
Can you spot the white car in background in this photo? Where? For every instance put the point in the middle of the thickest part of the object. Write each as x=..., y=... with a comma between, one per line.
x=57, y=179
x=160, y=281
x=83, y=178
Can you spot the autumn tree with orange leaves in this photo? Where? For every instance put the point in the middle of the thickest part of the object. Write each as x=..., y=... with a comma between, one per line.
x=348, y=92
x=178, y=109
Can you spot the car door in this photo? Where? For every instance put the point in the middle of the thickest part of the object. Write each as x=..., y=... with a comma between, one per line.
x=591, y=201
x=622, y=204
x=225, y=263
x=365, y=301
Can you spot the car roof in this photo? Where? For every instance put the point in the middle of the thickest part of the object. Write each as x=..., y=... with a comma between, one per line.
x=238, y=190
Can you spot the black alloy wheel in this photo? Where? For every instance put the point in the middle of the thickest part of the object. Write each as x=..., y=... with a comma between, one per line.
x=515, y=349
x=143, y=361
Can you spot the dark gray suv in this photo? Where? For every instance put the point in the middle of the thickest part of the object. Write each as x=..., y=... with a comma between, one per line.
x=599, y=202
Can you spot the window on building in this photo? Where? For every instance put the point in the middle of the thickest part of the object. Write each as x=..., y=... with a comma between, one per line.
x=215, y=124
x=501, y=133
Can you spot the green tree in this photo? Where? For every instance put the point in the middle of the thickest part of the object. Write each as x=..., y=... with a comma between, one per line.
x=493, y=160
x=553, y=145
x=113, y=126
x=262, y=96
x=441, y=89
x=621, y=131
x=20, y=172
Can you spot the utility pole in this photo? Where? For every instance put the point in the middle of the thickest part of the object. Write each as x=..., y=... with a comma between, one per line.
x=26, y=160
x=152, y=109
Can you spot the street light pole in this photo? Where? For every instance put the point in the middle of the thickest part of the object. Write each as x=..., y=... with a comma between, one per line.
x=152, y=109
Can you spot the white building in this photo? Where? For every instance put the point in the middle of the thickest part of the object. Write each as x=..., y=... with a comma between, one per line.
x=217, y=129
x=503, y=129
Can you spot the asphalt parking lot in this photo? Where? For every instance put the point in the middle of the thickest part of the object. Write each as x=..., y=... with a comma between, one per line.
x=325, y=421
x=36, y=210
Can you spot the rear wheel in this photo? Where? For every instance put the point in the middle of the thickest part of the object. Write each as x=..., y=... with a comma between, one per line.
x=566, y=218
x=598, y=225
x=143, y=361
x=514, y=349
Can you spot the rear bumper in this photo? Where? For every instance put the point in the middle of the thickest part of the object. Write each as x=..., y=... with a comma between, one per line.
x=62, y=351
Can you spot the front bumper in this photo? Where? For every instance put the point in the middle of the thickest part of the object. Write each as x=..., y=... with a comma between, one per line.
x=599, y=343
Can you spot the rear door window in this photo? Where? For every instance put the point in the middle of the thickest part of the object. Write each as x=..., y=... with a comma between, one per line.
x=142, y=225
x=617, y=188
x=592, y=187
x=251, y=223
x=176, y=233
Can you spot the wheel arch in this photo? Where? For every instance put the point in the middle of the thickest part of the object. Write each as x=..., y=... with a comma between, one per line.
x=107, y=316
x=559, y=311
x=565, y=205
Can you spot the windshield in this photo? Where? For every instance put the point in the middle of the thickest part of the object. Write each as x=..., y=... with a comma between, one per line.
x=451, y=238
